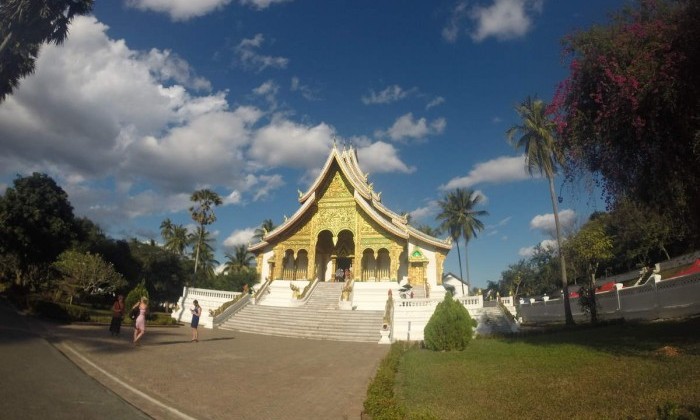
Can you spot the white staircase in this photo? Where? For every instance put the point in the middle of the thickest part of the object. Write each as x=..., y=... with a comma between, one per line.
x=318, y=319
x=492, y=321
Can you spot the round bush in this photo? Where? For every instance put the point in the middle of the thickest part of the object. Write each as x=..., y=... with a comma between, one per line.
x=450, y=327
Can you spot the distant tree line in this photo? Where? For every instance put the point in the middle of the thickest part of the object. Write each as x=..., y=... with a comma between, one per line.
x=46, y=251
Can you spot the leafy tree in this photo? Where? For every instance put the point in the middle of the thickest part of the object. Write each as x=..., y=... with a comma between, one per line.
x=135, y=295
x=86, y=274
x=459, y=218
x=590, y=247
x=166, y=229
x=203, y=214
x=450, y=326
x=628, y=111
x=162, y=271
x=542, y=155
x=36, y=221
x=240, y=261
x=266, y=226
x=24, y=26
x=207, y=261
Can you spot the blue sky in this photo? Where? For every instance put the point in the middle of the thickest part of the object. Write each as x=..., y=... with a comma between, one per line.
x=149, y=100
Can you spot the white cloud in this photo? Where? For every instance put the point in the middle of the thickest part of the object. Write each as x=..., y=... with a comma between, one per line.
x=307, y=92
x=381, y=157
x=429, y=210
x=180, y=10
x=239, y=237
x=286, y=143
x=499, y=170
x=451, y=31
x=261, y=4
x=249, y=58
x=390, y=94
x=408, y=127
x=130, y=122
x=435, y=102
x=502, y=19
x=545, y=222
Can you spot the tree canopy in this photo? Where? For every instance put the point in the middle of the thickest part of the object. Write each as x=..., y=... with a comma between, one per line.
x=629, y=110
x=36, y=220
x=27, y=24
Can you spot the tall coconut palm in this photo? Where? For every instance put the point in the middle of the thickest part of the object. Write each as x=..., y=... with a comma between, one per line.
x=239, y=261
x=166, y=229
x=266, y=226
x=178, y=240
x=203, y=214
x=203, y=246
x=459, y=218
x=542, y=155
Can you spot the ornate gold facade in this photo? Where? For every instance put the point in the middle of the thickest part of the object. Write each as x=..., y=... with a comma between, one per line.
x=342, y=224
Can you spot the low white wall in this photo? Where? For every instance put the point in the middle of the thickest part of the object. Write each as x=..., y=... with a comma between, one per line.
x=412, y=315
x=670, y=298
x=372, y=296
x=207, y=299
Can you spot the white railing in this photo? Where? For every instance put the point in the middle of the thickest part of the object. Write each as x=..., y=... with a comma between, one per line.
x=675, y=297
x=208, y=299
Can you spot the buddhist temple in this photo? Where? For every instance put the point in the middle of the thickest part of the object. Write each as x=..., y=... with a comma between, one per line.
x=342, y=226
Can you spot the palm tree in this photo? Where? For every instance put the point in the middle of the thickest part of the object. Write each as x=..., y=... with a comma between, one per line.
x=240, y=261
x=203, y=240
x=178, y=240
x=203, y=214
x=266, y=226
x=24, y=27
x=459, y=219
x=166, y=229
x=428, y=230
x=542, y=155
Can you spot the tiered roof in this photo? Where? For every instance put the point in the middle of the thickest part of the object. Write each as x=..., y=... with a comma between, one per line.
x=365, y=197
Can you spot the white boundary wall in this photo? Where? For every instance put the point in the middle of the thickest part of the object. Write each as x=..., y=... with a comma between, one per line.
x=208, y=300
x=675, y=297
x=412, y=315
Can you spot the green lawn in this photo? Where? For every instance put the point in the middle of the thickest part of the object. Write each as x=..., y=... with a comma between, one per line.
x=609, y=372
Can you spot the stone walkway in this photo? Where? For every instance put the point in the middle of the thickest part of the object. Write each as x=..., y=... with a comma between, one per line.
x=226, y=374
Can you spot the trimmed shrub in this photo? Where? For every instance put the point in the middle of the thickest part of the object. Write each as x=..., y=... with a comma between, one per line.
x=381, y=402
x=450, y=327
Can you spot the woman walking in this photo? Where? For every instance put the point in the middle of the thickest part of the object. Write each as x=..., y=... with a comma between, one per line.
x=140, y=323
x=117, y=315
x=196, y=313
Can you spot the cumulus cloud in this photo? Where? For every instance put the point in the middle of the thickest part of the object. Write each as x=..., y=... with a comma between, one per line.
x=408, y=127
x=529, y=251
x=180, y=10
x=502, y=19
x=120, y=117
x=286, y=143
x=430, y=209
x=239, y=237
x=499, y=170
x=390, y=94
x=249, y=58
x=545, y=222
x=381, y=157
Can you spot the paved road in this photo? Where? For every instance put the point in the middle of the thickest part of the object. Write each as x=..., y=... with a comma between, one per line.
x=38, y=382
x=226, y=375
